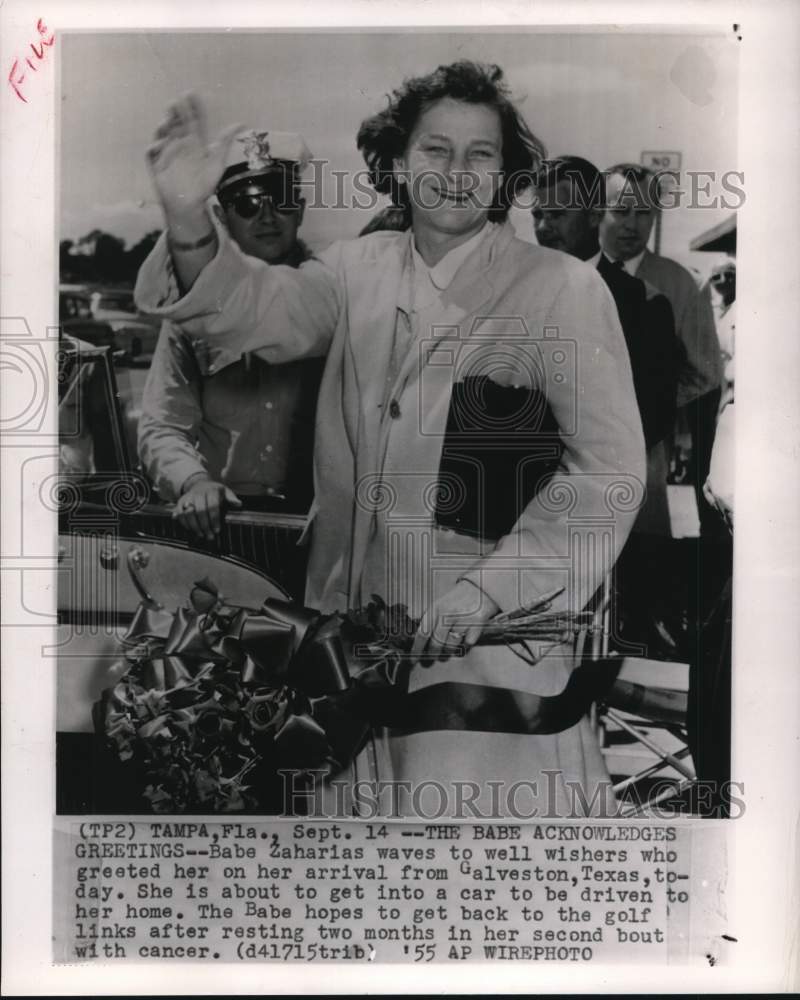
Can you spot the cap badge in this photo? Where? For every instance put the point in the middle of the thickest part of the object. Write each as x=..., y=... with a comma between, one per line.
x=256, y=150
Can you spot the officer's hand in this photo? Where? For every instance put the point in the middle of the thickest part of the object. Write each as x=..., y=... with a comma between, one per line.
x=184, y=166
x=201, y=507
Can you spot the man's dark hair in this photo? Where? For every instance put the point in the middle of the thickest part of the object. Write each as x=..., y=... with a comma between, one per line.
x=384, y=136
x=393, y=219
x=637, y=176
x=631, y=171
x=587, y=188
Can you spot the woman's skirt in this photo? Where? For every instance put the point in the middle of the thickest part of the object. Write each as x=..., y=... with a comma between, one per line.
x=475, y=739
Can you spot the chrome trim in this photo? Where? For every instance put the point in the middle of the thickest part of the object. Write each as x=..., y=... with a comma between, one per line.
x=109, y=557
x=137, y=559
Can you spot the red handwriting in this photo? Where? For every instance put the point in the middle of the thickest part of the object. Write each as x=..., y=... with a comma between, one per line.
x=17, y=75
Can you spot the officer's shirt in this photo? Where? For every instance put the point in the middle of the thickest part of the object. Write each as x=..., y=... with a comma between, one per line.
x=247, y=424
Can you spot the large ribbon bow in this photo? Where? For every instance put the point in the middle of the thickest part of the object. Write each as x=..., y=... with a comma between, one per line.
x=300, y=682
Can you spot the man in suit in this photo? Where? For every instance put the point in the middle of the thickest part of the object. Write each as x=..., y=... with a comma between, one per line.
x=632, y=194
x=567, y=216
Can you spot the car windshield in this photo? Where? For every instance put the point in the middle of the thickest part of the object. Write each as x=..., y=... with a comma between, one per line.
x=121, y=302
x=89, y=413
x=72, y=306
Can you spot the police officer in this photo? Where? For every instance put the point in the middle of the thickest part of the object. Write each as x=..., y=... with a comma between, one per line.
x=218, y=430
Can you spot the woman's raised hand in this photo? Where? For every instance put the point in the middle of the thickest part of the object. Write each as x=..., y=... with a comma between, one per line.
x=185, y=167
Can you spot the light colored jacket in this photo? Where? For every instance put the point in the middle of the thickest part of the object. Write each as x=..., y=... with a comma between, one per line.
x=541, y=313
x=694, y=324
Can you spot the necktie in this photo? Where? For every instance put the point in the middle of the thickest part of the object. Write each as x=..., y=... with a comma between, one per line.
x=606, y=266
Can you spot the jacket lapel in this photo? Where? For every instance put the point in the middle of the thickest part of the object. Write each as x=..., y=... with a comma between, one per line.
x=373, y=313
x=471, y=289
x=371, y=335
x=372, y=318
x=645, y=267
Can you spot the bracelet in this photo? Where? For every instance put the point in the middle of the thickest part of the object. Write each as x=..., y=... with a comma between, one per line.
x=190, y=481
x=184, y=247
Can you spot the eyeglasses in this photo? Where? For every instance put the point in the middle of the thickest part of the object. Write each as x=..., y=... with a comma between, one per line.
x=248, y=206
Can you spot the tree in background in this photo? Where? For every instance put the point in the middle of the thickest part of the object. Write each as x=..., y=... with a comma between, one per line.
x=100, y=258
x=137, y=254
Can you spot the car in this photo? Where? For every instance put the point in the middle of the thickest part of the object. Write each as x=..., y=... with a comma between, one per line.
x=74, y=302
x=108, y=318
x=119, y=546
x=89, y=331
x=113, y=303
x=136, y=336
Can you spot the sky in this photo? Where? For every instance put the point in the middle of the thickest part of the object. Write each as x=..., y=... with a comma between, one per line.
x=602, y=94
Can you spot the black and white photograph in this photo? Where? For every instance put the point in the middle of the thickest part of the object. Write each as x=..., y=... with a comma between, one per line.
x=399, y=580
x=340, y=350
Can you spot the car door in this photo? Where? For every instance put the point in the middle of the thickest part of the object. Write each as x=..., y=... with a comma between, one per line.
x=118, y=544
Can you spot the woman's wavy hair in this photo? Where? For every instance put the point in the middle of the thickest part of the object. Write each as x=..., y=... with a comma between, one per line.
x=384, y=136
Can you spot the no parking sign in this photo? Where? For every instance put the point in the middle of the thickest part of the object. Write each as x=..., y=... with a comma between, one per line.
x=666, y=165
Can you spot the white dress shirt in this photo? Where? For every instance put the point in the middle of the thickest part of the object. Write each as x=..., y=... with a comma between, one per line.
x=631, y=265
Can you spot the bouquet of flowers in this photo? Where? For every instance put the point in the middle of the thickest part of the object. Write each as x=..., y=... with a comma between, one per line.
x=205, y=699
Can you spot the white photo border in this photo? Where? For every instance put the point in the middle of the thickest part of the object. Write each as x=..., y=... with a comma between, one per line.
x=765, y=871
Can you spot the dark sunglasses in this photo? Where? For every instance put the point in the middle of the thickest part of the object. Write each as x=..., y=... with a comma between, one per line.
x=248, y=206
